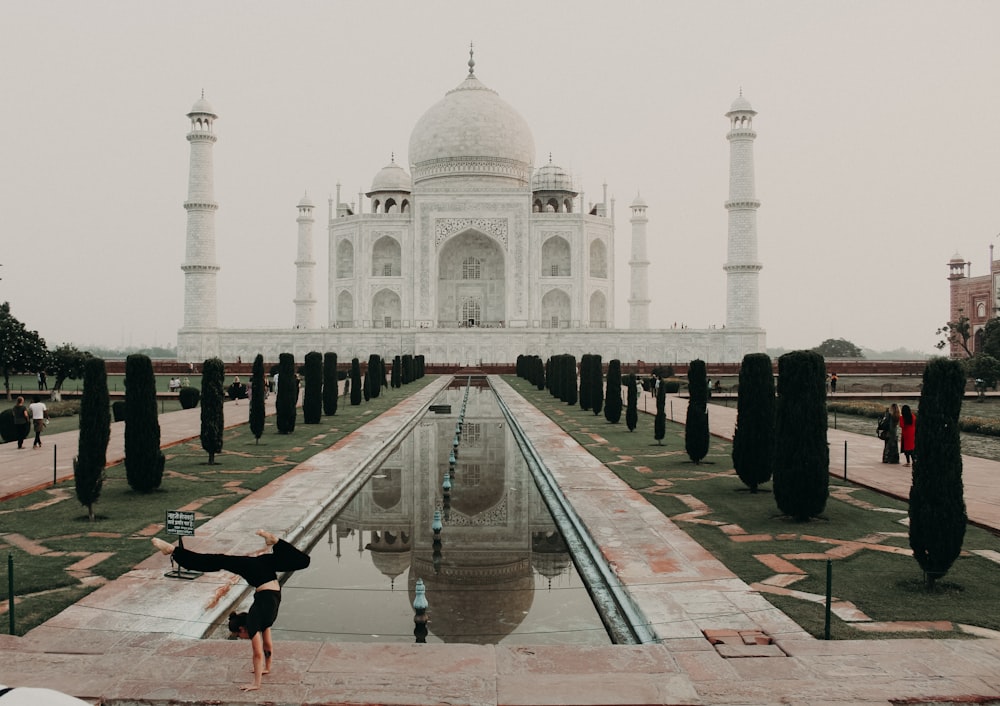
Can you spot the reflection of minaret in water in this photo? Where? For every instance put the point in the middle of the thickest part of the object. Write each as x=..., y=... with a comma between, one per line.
x=742, y=268
x=200, y=268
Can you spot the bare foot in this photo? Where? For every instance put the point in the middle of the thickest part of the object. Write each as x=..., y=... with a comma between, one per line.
x=249, y=687
x=164, y=547
x=269, y=539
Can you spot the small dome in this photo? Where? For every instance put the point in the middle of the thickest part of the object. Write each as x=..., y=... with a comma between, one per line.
x=304, y=202
x=741, y=105
x=957, y=258
x=639, y=202
x=551, y=178
x=391, y=177
x=202, y=106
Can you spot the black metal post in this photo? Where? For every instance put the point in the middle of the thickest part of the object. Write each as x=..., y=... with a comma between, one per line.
x=829, y=598
x=845, y=459
x=55, y=464
x=10, y=589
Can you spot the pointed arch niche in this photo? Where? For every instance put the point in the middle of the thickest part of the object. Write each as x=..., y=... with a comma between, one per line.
x=345, y=259
x=556, y=257
x=387, y=258
x=598, y=310
x=471, y=280
x=387, y=310
x=598, y=259
x=555, y=309
x=345, y=309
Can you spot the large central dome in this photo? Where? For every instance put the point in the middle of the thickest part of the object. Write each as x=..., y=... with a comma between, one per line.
x=472, y=132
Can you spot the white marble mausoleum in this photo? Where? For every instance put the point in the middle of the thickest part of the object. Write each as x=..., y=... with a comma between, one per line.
x=471, y=255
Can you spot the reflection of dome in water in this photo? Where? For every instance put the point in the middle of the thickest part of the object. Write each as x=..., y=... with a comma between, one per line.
x=550, y=555
x=476, y=604
x=390, y=554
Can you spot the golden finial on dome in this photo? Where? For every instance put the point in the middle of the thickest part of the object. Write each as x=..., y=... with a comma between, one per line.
x=472, y=62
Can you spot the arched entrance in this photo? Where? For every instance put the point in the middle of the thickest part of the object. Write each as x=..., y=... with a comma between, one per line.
x=471, y=284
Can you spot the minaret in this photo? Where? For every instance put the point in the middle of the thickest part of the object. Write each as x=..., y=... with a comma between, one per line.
x=200, y=267
x=742, y=268
x=638, y=301
x=305, y=268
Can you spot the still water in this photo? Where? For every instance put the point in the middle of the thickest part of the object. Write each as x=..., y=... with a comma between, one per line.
x=500, y=572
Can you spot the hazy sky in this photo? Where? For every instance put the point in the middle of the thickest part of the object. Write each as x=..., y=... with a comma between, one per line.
x=877, y=153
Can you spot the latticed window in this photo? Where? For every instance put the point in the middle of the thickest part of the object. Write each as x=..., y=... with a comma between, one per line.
x=469, y=475
x=387, y=270
x=471, y=312
x=471, y=432
x=471, y=268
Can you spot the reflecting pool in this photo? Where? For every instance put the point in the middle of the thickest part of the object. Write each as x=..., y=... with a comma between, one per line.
x=496, y=572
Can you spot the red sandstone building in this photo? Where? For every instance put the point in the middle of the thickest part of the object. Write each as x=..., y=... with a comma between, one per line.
x=975, y=297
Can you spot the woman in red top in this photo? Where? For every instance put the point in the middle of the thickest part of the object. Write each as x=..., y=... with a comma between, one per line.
x=907, y=432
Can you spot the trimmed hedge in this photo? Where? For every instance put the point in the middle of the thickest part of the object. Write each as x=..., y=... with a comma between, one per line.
x=189, y=397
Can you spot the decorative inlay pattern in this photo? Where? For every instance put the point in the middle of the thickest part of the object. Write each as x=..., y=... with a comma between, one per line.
x=444, y=228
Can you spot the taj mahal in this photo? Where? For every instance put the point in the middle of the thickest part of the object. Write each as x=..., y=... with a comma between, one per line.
x=472, y=255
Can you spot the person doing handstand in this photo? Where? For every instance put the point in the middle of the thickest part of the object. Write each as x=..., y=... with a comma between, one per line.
x=261, y=572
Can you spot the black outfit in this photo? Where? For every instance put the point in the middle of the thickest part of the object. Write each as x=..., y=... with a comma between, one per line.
x=21, y=416
x=256, y=571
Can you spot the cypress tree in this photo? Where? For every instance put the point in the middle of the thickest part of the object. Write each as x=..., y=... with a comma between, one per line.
x=586, y=380
x=569, y=381
x=376, y=375
x=632, y=408
x=696, y=432
x=660, y=420
x=613, y=397
x=257, y=394
x=801, y=470
x=95, y=430
x=539, y=374
x=407, y=371
x=366, y=385
x=397, y=375
x=144, y=461
x=287, y=395
x=596, y=384
x=331, y=387
x=753, y=440
x=937, y=503
x=554, y=375
x=213, y=377
x=355, y=382
x=312, y=400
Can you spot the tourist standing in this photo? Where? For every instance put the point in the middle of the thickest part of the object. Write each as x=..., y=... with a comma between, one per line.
x=21, y=422
x=907, y=433
x=39, y=417
x=890, y=451
x=833, y=382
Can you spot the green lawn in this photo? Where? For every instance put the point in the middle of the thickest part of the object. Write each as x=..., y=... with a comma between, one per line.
x=885, y=586
x=54, y=518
